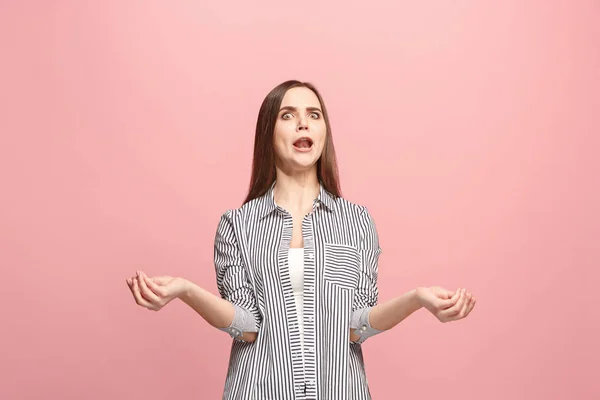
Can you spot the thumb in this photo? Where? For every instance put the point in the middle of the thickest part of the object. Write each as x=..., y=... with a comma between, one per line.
x=444, y=293
x=161, y=280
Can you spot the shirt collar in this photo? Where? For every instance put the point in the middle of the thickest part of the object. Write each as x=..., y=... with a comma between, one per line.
x=268, y=200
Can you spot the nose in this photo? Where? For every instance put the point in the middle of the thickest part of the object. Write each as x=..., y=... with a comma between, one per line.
x=302, y=124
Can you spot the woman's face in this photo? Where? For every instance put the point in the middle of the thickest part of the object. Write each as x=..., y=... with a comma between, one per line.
x=300, y=130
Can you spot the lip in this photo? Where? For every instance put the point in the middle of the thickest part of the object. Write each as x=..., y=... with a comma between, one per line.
x=303, y=149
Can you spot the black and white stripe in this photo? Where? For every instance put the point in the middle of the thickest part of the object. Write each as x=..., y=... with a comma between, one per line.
x=341, y=252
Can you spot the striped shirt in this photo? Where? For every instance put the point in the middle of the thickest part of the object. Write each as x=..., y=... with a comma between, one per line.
x=341, y=252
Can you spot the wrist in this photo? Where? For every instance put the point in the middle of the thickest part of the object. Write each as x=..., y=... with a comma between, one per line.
x=184, y=289
x=418, y=296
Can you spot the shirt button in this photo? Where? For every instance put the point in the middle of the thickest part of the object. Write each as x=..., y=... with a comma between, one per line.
x=311, y=318
x=311, y=288
x=364, y=328
x=311, y=256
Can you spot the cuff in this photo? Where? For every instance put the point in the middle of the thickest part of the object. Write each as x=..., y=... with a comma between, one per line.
x=243, y=321
x=360, y=323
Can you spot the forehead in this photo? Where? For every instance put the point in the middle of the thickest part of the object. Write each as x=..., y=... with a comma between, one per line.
x=300, y=97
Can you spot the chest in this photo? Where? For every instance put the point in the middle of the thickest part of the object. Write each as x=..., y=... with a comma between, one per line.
x=297, y=238
x=330, y=252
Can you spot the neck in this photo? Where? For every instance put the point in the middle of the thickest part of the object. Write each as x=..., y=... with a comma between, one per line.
x=296, y=192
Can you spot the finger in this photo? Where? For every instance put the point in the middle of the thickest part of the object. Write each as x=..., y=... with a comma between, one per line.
x=158, y=290
x=161, y=280
x=471, y=305
x=464, y=310
x=138, y=296
x=445, y=304
x=130, y=284
x=455, y=309
x=443, y=293
x=146, y=293
x=465, y=307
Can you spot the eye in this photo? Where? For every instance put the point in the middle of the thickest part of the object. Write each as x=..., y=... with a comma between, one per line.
x=286, y=116
x=315, y=115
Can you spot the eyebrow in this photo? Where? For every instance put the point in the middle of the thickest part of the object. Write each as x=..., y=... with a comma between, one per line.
x=290, y=108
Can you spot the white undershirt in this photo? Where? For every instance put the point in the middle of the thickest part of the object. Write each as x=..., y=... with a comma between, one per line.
x=296, y=265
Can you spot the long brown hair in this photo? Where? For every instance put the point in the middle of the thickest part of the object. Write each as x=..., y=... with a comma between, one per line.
x=263, y=162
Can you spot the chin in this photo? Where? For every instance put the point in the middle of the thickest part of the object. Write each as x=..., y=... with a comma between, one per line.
x=298, y=165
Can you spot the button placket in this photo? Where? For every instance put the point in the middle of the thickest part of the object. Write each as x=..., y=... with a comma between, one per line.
x=309, y=301
x=288, y=296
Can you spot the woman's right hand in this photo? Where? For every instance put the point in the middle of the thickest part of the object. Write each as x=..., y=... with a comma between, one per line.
x=446, y=305
x=155, y=293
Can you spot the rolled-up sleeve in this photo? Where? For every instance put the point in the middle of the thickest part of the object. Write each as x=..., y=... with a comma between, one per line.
x=232, y=280
x=366, y=294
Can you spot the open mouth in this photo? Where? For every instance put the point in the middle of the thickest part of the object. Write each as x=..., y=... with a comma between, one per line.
x=303, y=143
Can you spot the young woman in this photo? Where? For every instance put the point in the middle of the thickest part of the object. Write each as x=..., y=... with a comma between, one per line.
x=296, y=268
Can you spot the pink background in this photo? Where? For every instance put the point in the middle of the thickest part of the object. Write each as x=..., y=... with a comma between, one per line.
x=469, y=129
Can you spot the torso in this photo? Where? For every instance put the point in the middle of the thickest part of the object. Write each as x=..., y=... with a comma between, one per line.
x=292, y=359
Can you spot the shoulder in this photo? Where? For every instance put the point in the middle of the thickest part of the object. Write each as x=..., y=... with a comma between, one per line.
x=350, y=209
x=233, y=216
x=358, y=217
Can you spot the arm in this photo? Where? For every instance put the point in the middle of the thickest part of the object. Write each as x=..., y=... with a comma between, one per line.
x=366, y=293
x=227, y=315
x=241, y=318
x=446, y=305
x=389, y=314
x=369, y=318
x=218, y=312
x=155, y=293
